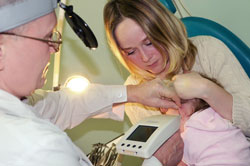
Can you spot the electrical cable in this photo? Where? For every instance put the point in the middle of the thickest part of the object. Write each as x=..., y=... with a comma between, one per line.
x=180, y=2
x=176, y=6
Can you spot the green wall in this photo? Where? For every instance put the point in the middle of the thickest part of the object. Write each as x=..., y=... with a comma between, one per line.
x=100, y=66
x=233, y=14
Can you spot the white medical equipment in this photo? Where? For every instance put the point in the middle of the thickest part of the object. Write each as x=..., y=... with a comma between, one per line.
x=144, y=138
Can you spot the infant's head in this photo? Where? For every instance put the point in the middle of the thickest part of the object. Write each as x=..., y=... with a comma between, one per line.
x=188, y=107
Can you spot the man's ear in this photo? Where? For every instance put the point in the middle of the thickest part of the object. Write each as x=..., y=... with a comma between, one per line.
x=1, y=54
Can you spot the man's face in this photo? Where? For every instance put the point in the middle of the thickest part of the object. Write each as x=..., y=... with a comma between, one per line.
x=24, y=61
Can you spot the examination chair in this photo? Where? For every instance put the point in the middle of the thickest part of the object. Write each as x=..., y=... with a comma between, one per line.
x=201, y=26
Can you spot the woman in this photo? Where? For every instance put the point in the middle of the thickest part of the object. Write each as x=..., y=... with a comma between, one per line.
x=151, y=42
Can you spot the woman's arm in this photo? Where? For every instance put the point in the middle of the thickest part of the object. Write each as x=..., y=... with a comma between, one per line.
x=215, y=60
x=193, y=85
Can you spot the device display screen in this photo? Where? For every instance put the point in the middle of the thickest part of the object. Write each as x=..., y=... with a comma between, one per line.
x=142, y=133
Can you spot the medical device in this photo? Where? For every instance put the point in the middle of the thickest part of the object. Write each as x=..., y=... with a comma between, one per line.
x=144, y=138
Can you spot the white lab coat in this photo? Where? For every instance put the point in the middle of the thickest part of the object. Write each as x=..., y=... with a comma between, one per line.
x=28, y=136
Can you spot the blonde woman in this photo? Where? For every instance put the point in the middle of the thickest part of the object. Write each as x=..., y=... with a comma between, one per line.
x=151, y=42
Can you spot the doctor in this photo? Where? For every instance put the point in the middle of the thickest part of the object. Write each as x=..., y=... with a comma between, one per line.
x=32, y=130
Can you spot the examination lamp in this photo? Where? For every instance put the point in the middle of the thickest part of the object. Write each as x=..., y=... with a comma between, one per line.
x=79, y=26
x=77, y=83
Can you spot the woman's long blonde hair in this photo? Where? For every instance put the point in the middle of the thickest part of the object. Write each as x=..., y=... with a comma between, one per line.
x=166, y=32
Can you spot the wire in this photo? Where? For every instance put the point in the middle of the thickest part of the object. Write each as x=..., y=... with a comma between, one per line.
x=176, y=6
x=184, y=8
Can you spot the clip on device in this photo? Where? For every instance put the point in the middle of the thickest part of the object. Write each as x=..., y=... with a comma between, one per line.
x=79, y=26
x=144, y=138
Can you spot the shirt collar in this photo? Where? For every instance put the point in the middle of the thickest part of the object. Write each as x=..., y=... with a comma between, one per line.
x=10, y=104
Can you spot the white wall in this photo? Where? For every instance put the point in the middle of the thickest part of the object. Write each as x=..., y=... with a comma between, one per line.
x=100, y=66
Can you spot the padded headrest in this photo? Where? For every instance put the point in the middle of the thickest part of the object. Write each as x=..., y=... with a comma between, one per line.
x=169, y=4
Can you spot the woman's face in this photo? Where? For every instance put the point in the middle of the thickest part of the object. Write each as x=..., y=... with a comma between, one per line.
x=138, y=49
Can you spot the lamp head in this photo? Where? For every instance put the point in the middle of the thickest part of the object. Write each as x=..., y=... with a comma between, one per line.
x=79, y=26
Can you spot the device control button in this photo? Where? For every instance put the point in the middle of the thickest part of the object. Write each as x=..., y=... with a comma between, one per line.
x=119, y=95
x=128, y=145
x=139, y=147
x=134, y=146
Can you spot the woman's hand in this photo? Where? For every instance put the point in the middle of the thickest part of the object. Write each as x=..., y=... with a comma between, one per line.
x=190, y=85
x=154, y=93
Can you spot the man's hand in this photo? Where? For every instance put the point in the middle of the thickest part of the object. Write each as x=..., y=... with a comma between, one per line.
x=154, y=93
x=171, y=152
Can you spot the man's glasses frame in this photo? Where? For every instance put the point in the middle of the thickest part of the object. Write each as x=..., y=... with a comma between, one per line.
x=55, y=41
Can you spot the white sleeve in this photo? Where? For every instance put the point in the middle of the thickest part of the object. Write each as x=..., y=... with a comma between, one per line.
x=152, y=161
x=67, y=109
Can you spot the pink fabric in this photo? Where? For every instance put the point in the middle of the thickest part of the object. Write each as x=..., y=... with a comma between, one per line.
x=210, y=140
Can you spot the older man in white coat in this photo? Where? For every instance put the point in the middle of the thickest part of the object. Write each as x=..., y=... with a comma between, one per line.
x=32, y=134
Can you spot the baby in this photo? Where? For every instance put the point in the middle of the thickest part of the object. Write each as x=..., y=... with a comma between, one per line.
x=208, y=138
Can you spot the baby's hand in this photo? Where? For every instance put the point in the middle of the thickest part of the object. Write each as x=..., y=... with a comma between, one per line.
x=169, y=111
x=163, y=110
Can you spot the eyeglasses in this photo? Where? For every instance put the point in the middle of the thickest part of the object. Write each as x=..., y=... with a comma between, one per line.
x=54, y=41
